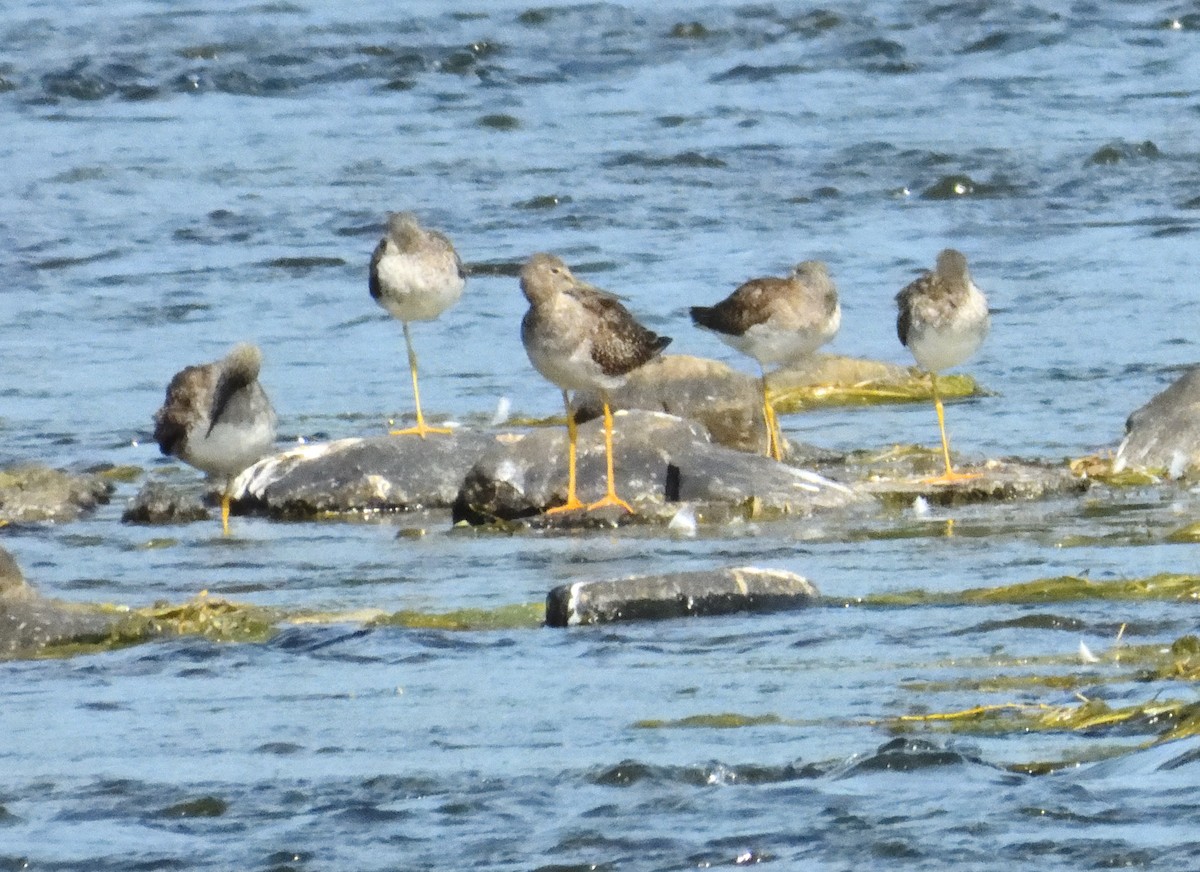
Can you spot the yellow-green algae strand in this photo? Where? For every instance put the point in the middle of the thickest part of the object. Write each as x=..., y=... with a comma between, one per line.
x=509, y=617
x=1060, y=589
x=917, y=388
x=721, y=721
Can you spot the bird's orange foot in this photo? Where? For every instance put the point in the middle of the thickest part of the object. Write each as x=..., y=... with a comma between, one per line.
x=610, y=500
x=951, y=477
x=571, y=505
x=421, y=430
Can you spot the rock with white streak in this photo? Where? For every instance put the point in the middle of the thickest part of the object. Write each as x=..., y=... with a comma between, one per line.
x=384, y=473
x=1164, y=434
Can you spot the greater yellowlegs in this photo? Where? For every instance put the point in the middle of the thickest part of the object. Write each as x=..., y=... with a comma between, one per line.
x=943, y=319
x=581, y=338
x=416, y=275
x=217, y=418
x=776, y=321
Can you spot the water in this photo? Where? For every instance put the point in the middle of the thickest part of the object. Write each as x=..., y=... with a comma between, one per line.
x=180, y=178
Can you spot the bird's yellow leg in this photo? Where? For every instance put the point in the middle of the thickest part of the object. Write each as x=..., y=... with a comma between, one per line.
x=774, y=437
x=573, y=502
x=225, y=512
x=950, y=475
x=610, y=497
x=421, y=429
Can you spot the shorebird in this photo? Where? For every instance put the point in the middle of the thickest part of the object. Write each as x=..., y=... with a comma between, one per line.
x=581, y=338
x=943, y=319
x=416, y=275
x=776, y=321
x=217, y=418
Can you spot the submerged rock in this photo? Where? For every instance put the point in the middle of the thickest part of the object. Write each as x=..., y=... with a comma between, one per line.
x=383, y=473
x=38, y=493
x=994, y=481
x=661, y=461
x=678, y=594
x=1164, y=434
x=159, y=502
x=29, y=623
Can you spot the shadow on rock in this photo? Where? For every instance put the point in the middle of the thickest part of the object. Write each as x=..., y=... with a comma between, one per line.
x=661, y=461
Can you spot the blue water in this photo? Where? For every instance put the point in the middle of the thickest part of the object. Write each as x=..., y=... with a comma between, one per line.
x=178, y=178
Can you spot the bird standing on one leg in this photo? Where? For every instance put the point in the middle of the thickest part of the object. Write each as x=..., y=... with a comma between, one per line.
x=776, y=321
x=581, y=338
x=416, y=275
x=217, y=418
x=943, y=319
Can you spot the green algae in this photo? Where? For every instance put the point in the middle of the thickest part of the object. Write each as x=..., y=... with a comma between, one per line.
x=204, y=806
x=721, y=721
x=510, y=617
x=1099, y=467
x=1170, y=587
x=916, y=388
x=1159, y=720
x=210, y=618
x=1189, y=535
x=111, y=627
x=125, y=474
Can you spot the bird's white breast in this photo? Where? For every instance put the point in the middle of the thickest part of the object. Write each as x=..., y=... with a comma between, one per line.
x=941, y=345
x=417, y=289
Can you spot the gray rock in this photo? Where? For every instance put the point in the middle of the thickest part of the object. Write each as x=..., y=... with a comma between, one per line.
x=727, y=402
x=1164, y=434
x=12, y=580
x=661, y=462
x=30, y=623
x=385, y=473
x=38, y=493
x=996, y=481
x=159, y=502
x=677, y=594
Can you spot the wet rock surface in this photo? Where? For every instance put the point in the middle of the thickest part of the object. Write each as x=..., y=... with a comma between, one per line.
x=1164, y=434
x=831, y=379
x=678, y=594
x=661, y=462
x=728, y=403
x=161, y=502
x=30, y=623
x=385, y=473
x=38, y=493
x=992, y=481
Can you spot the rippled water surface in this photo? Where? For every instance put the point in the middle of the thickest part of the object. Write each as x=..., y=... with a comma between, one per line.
x=177, y=178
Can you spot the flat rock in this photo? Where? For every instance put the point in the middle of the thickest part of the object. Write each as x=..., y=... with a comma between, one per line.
x=994, y=481
x=677, y=594
x=38, y=493
x=835, y=380
x=661, y=463
x=383, y=473
x=1164, y=434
